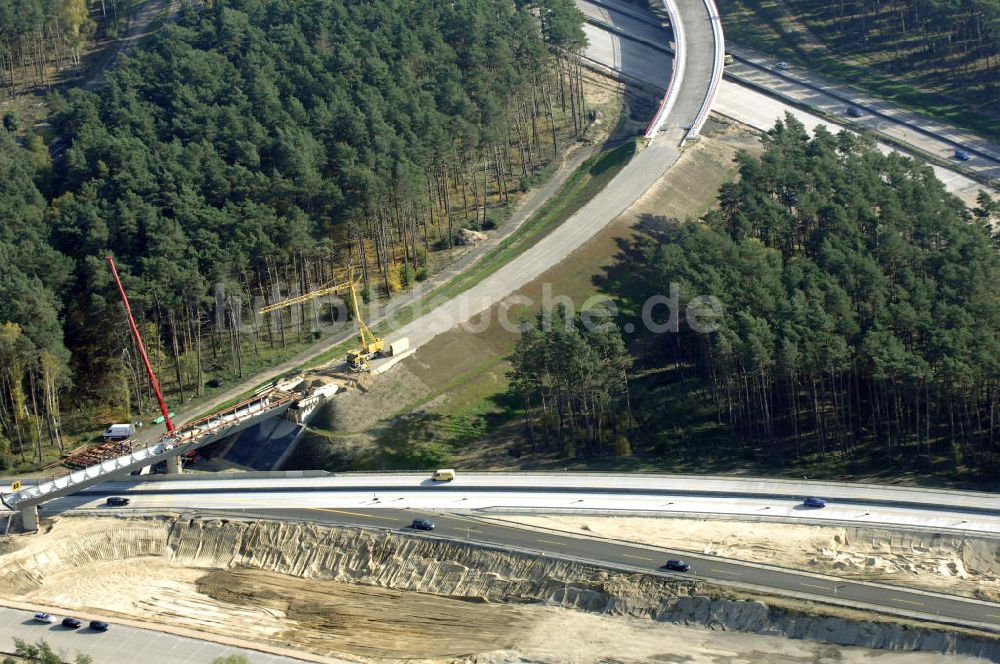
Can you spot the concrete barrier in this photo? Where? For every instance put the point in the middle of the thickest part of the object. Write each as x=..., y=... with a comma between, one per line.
x=718, y=64
x=676, y=75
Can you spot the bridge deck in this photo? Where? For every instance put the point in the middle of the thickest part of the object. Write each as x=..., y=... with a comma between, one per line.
x=191, y=436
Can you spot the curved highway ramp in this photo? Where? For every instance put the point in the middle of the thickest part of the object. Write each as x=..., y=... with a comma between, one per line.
x=693, y=82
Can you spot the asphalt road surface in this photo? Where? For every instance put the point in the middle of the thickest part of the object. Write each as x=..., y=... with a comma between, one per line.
x=958, y=512
x=122, y=643
x=979, y=502
x=392, y=501
x=546, y=501
x=642, y=59
x=699, y=64
x=877, y=597
x=623, y=190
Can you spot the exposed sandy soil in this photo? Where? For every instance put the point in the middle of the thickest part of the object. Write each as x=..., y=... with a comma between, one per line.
x=215, y=579
x=459, y=369
x=332, y=618
x=962, y=566
x=566, y=637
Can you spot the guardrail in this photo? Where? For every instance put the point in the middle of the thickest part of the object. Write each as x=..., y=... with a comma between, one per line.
x=718, y=64
x=676, y=74
x=626, y=484
x=876, y=134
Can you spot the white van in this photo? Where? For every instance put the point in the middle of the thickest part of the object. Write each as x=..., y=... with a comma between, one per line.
x=119, y=432
x=443, y=475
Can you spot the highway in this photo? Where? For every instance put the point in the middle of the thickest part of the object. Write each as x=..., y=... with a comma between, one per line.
x=625, y=484
x=270, y=493
x=626, y=187
x=876, y=597
x=463, y=509
x=759, y=110
x=878, y=115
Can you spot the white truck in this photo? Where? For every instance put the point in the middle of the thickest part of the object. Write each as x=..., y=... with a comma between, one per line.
x=119, y=432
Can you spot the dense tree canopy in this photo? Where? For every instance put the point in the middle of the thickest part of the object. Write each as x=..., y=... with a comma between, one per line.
x=571, y=373
x=862, y=302
x=39, y=35
x=258, y=143
x=32, y=281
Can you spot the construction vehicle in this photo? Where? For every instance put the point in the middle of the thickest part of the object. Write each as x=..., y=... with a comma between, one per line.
x=119, y=432
x=371, y=346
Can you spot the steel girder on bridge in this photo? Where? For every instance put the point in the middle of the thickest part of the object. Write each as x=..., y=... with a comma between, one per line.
x=191, y=436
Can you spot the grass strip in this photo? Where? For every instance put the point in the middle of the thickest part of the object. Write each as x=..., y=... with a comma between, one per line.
x=757, y=25
x=585, y=183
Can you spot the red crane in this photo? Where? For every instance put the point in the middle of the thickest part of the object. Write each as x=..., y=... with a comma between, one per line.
x=142, y=349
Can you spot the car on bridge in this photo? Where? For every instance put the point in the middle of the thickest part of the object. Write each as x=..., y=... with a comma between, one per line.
x=422, y=524
x=676, y=566
x=962, y=155
x=813, y=501
x=783, y=66
x=116, y=501
x=854, y=112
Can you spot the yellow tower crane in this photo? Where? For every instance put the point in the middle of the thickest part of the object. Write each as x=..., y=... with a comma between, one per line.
x=299, y=299
x=371, y=345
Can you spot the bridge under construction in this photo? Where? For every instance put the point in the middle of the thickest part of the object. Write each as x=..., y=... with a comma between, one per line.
x=187, y=438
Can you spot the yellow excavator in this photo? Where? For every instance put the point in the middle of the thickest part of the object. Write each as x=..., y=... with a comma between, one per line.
x=371, y=346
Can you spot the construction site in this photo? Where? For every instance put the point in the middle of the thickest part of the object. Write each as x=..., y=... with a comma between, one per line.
x=349, y=595
x=342, y=594
x=302, y=588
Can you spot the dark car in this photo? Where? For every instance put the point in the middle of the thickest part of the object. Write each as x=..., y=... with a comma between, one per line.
x=854, y=111
x=71, y=623
x=216, y=382
x=962, y=155
x=422, y=524
x=98, y=625
x=814, y=502
x=676, y=566
x=116, y=501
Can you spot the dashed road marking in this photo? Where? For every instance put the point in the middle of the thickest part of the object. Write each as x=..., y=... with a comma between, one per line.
x=812, y=585
x=625, y=555
x=366, y=516
x=906, y=601
x=551, y=542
